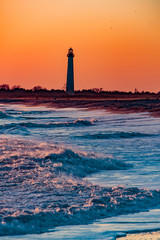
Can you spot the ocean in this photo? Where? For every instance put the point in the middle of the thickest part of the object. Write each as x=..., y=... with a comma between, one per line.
x=72, y=173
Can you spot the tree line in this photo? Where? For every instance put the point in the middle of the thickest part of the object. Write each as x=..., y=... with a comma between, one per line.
x=7, y=88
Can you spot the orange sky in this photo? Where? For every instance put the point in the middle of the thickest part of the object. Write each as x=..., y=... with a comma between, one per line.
x=116, y=43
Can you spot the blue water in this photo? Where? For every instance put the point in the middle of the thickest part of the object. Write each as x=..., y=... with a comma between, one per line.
x=77, y=174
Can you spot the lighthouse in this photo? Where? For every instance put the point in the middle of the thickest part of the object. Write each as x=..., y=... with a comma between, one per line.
x=70, y=73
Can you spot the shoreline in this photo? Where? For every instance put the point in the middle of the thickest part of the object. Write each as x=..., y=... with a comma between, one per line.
x=122, y=106
x=143, y=235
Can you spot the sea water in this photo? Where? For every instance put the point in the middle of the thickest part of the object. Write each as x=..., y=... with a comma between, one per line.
x=77, y=174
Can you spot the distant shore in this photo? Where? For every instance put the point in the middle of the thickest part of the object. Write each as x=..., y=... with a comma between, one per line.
x=121, y=104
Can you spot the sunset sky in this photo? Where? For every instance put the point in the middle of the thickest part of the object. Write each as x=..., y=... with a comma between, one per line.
x=116, y=43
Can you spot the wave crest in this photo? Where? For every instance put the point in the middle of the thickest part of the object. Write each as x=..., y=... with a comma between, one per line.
x=4, y=115
x=81, y=164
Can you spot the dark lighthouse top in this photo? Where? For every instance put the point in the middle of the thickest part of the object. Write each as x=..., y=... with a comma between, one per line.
x=70, y=53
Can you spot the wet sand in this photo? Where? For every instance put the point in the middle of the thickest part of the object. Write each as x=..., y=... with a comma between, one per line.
x=142, y=236
x=152, y=106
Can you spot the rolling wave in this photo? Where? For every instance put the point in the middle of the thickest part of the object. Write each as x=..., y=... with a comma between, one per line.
x=78, y=122
x=4, y=115
x=116, y=135
x=81, y=164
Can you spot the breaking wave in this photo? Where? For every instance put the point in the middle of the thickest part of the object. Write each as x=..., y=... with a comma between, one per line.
x=81, y=164
x=43, y=187
x=100, y=203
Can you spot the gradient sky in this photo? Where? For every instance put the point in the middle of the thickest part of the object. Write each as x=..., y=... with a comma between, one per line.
x=116, y=43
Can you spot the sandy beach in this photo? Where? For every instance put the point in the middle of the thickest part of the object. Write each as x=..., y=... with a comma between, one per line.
x=142, y=236
x=128, y=105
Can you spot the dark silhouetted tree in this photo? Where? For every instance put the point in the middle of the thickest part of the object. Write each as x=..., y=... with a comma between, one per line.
x=38, y=88
x=97, y=90
x=16, y=87
x=4, y=87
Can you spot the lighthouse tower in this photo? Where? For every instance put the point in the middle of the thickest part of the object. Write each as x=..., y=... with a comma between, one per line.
x=70, y=73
